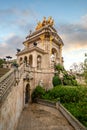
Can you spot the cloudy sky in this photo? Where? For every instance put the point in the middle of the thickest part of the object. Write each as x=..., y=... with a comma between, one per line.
x=18, y=17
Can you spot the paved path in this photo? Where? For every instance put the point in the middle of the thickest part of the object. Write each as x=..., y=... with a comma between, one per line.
x=39, y=117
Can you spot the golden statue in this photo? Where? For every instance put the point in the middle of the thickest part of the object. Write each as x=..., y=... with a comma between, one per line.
x=52, y=22
x=39, y=25
x=44, y=21
x=49, y=21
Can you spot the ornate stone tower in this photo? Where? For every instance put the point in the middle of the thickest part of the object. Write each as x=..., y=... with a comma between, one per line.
x=43, y=49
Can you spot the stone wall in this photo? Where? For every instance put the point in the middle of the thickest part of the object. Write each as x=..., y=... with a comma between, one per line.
x=11, y=108
x=44, y=78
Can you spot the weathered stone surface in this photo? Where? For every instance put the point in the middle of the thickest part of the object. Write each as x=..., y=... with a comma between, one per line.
x=40, y=117
x=43, y=55
x=11, y=108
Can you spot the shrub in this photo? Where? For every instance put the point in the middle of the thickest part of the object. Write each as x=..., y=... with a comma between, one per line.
x=59, y=68
x=66, y=94
x=56, y=81
x=69, y=80
x=74, y=83
x=73, y=98
x=79, y=110
x=38, y=93
x=1, y=62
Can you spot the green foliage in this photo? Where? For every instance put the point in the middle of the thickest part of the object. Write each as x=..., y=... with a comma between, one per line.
x=38, y=92
x=73, y=98
x=79, y=110
x=59, y=68
x=66, y=94
x=15, y=64
x=56, y=81
x=1, y=62
x=69, y=80
x=66, y=78
x=85, y=68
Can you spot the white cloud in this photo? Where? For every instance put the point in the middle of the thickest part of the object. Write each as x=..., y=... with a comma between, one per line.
x=9, y=45
x=17, y=16
x=74, y=37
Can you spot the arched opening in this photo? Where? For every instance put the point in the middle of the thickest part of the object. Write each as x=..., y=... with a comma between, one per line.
x=30, y=60
x=38, y=61
x=54, y=57
x=54, y=52
x=21, y=60
x=27, y=94
x=25, y=59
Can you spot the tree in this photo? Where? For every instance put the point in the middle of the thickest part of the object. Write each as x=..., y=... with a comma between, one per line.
x=59, y=68
x=81, y=68
x=85, y=68
x=77, y=68
x=8, y=57
x=1, y=62
x=63, y=77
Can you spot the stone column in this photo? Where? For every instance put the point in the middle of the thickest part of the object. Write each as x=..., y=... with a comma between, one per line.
x=60, y=53
x=34, y=60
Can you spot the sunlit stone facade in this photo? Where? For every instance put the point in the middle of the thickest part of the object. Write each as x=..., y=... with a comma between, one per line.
x=42, y=49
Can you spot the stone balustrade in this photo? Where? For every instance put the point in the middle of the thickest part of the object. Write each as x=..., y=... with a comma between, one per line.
x=5, y=84
x=21, y=70
x=9, y=80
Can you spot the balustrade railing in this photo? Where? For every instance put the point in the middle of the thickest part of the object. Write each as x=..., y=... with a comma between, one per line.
x=13, y=77
x=6, y=83
x=21, y=70
x=9, y=80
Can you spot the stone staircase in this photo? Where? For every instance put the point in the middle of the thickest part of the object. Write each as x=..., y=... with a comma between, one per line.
x=12, y=78
x=9, y=80
x=5, y=84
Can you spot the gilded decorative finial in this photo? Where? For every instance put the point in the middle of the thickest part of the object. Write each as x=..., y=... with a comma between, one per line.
x=44, y=21
x=49, y=21
x=39, y=25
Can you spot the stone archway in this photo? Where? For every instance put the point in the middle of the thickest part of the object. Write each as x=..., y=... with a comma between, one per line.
x=27, y=94
x=55, y=53
x=53, y=57
x=39, y=60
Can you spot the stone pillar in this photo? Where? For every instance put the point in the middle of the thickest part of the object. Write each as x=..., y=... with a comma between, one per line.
x=60, y=53
x=34, y=60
